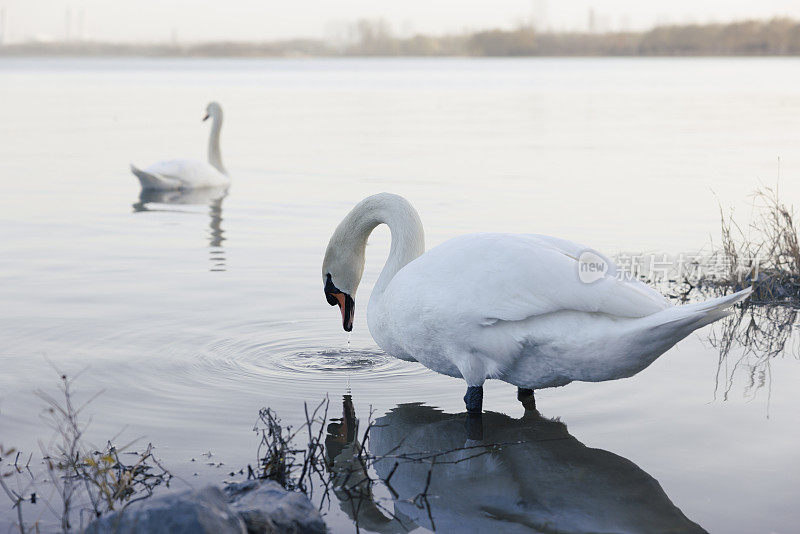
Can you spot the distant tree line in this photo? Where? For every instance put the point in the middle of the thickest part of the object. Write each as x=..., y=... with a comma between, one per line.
x=776, y=37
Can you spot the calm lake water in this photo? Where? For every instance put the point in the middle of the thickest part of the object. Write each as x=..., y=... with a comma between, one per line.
x=192, y=316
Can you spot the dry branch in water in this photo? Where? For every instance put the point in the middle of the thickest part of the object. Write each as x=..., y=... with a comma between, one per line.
x=766, y=255
x=88, y=480
x=280, y=459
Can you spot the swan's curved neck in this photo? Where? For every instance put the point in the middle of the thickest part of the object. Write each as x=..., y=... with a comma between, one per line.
x=408, y=240
x=214, y=154
x=408, y=237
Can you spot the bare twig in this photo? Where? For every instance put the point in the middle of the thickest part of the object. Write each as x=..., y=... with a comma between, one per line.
x=79, y=472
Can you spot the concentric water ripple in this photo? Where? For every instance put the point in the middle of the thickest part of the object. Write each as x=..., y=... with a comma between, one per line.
x=169, y=353
x=347, y=361
x=287, y=352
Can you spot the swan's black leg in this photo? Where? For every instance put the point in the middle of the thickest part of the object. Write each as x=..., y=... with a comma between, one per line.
x=474, y=399
x=525, y=396
x=474, y=426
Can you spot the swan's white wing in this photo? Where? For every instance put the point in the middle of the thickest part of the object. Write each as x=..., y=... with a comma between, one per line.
x=511, y=277
x=188, y=172
x=514, y=307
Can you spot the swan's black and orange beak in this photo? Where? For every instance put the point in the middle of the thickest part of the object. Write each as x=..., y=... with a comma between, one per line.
x=346, y=303
x=206, y=117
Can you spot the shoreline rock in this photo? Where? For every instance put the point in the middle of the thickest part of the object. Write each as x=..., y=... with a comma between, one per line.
x=252, y=507
x=267, y=508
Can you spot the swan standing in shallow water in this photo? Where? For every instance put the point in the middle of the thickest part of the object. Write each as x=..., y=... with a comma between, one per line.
x=189, y=173
x=505, y=306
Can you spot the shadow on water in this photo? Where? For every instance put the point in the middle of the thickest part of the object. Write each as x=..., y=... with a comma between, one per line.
x=210, y=196
x=524, y=474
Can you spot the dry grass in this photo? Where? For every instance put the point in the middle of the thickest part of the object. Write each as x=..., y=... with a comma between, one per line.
x=766, y=254
x=281, y=459
x=80, y=479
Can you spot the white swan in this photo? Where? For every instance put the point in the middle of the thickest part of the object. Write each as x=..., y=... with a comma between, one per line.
x=189, y=173
x=505, y=306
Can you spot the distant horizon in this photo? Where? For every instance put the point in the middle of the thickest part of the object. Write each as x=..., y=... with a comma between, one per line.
x=772, y=37
x=351, y=25
x=180, y=21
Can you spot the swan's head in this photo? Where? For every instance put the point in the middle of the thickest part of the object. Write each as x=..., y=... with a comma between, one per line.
x=343, y=266
x=344, y=259
x=213, y=110
x=341, y=274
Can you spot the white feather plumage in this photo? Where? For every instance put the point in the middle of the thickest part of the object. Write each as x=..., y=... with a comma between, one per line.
x=182, y=174
x=507, y=306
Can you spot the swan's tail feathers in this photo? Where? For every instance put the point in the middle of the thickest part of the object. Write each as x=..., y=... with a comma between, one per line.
x=658, y=332
x=720, y=303
x=700, y=314
x=152, y=181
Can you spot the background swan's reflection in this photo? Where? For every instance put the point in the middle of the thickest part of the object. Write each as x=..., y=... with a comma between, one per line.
x=210, y=196
x=541, y=479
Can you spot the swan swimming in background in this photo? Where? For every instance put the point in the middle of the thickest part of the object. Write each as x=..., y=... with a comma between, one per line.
x=505, y=306
x=189, y=173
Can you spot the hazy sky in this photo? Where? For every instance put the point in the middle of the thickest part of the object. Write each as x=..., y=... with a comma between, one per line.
x=193, y=20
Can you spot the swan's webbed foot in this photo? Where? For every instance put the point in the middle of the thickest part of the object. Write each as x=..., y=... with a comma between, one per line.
x=525, y=396
x=474, y=399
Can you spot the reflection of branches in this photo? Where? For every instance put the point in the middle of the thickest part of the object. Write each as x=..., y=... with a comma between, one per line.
x=350, y=472
x=279, y=459
x=340, y=465
x=755, y=335
x=24, y=483
x=416, y=467
x=757, y=331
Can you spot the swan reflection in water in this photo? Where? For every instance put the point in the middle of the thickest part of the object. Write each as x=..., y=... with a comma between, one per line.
x=350, y=477
x=210, y=196
x=525, y=475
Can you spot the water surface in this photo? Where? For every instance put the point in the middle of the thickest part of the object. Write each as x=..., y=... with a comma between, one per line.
x=192, y=313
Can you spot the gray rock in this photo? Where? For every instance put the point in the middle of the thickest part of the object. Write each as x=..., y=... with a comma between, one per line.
x=267, y=508
x=189, y=512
